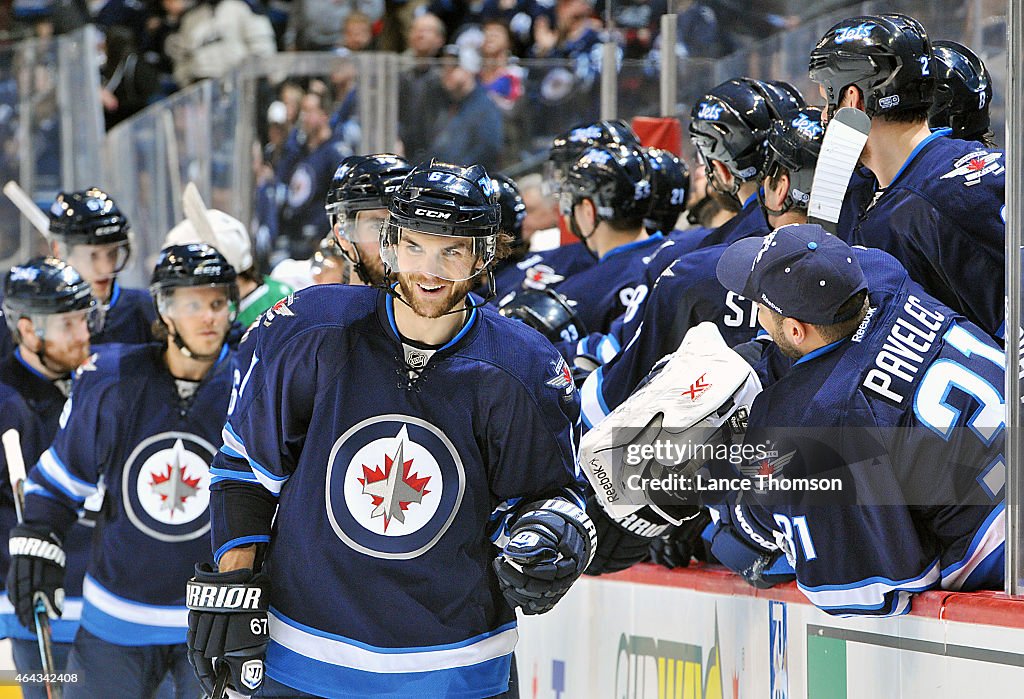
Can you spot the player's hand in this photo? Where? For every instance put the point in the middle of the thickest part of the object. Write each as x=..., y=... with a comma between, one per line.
x=228, y=626
x=549, y=547
x=623, y=542
x=674, y=549
x=37, y=571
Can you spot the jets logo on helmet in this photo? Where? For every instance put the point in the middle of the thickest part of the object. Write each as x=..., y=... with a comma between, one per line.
x=709, y=111
x=586, y=133
x=809, y=128
x=24, y=274
x=861, y=31
x=394, y=486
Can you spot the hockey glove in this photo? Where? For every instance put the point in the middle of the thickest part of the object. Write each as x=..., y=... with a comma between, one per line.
x=549, y=547
x=760, y=568
x=37, y=571
x=675, y=548
x=623, y=542
x=228, y=625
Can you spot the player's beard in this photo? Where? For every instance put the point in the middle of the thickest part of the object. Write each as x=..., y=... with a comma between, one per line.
x=436, y=304
x=65, y=358
x=369, y=256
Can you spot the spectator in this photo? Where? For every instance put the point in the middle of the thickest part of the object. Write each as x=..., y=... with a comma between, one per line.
x=504, y=83
x=216, y=35
x=345, y=118
x=422, y=97
x=518, y=17
x=471, y=131
x=574, y=33
x=398, y=19
x=637, y=21
x=163, y=20
x=129, y=77
x=541, y=209
x=357, y=33
x=316, y=25
x=307, y=173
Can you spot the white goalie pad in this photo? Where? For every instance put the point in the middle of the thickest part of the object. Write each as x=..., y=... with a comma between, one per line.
x=691, y=412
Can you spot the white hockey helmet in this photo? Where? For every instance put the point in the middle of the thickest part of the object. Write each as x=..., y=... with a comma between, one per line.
x=232, y=242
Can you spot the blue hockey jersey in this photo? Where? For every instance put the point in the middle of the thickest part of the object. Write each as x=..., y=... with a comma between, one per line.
x=129, y=318
x=392, y=486
x=542, y=269
x=907, y=416
x=31, y=404
x=127, y=430
x=748, y=222
x=942, y=218
x=609, y=288
x=687, y=293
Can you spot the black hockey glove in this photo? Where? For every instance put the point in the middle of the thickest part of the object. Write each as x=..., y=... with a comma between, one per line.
x=625, y=541
x=675, y=548
x=550, y=546
x=227, y=624
x=36, y=572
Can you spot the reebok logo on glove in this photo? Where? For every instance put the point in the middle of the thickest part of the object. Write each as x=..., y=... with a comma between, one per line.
x=215, y=598
x=37, y=548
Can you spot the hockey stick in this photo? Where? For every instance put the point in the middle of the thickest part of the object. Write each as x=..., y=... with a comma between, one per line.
x=16, y=472
x=20, y=198
x=195, y=212
x=221, y=688
x=844, y=140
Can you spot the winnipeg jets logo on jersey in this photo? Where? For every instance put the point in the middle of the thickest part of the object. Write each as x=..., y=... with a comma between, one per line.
x=562, y=378
x=394, y=486
x=166, y=486
x=768, y=467
x=541, y=277
x=279, y=310
x=976, y=165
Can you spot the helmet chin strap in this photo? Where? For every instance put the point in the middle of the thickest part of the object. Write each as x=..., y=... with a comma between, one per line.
x=731, y=192
x=357, y=263
x=786, y=205
x=574, y=228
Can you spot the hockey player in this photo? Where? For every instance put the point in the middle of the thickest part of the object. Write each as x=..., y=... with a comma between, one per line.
x=934, y=201
x=540, y=270
x=91, y=234
x=606, y=196
x=686, y=294
x=513, y=211
x=143, y=422
x=412, y=477
x=915, y=442
x=50, y=311
x=256, y=293
x=357, y=206
x=963, y=93
x=728, y=127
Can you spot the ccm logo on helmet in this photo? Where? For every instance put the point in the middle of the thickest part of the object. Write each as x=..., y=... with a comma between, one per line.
x=433, y=214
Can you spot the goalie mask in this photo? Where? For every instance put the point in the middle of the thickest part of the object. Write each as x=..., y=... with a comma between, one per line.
x=689, y=419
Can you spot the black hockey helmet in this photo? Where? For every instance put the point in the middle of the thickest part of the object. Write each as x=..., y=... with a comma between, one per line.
x=546, y=311
x=963, y=91
x=88, y=217
x=443, y=199
x=888, y=57
x=616, y=178
x=192, y=264
x=783, y=98
x=365, y=182
x=670, y=187
x=513, y=209
x=567, y=148
x=793, y=147
x=46, y=286
x=729, y=124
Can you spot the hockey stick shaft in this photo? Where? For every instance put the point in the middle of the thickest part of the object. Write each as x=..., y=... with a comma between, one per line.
x=16, y=471
x=195, y=212
x=20, y=198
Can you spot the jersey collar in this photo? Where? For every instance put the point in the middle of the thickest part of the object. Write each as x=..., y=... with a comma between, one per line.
x=819, y=352
x=32, y=370
x=115, y=294
x=634, y=245
x=752, y=199
x=934, y=135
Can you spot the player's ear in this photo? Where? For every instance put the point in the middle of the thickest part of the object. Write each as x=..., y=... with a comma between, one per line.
x=722, y=173
x=27, y=330
x=776, y=190
x=852, y=97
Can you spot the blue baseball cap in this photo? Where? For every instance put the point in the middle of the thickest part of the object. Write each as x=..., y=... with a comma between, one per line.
x=798, y=271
